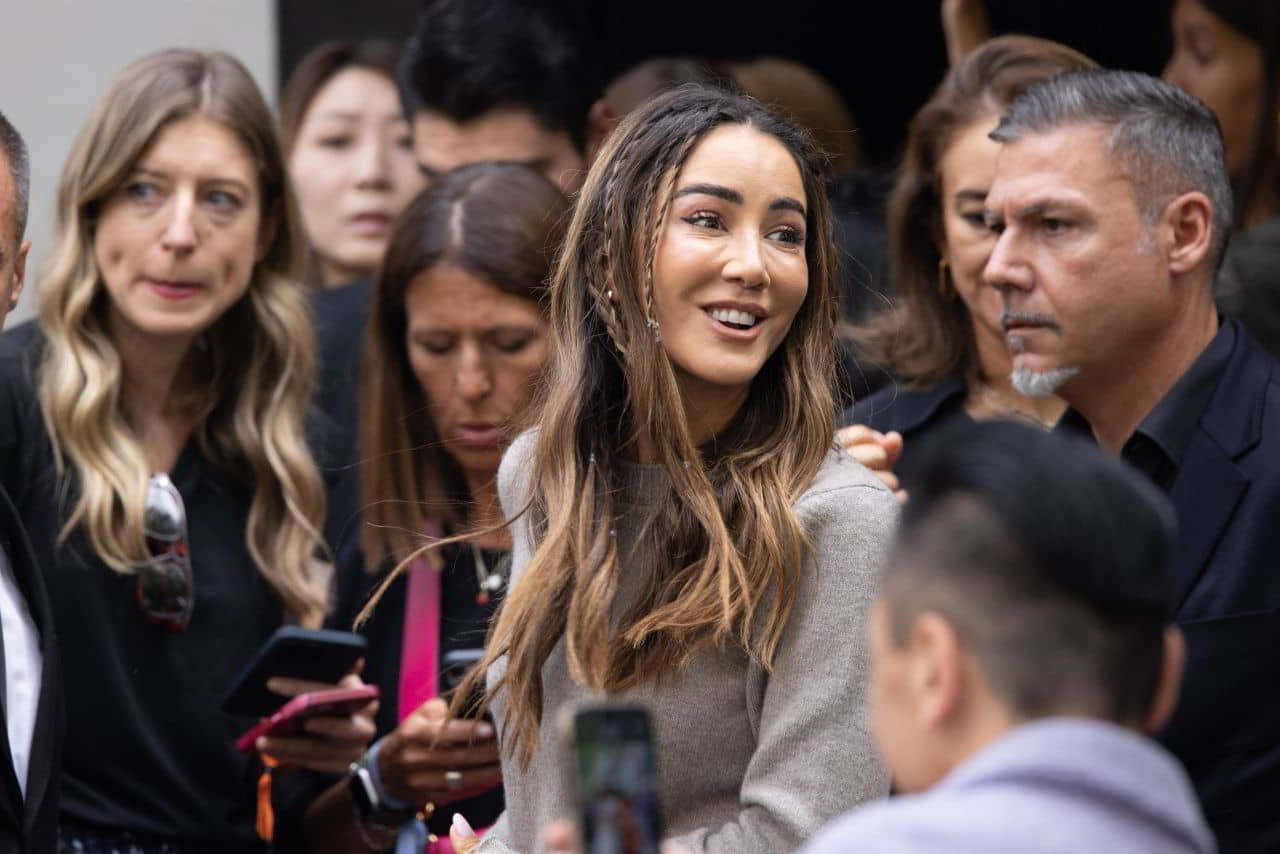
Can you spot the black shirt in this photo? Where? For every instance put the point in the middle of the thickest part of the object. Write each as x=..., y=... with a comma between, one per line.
x=1157, y=447
x=148, y=748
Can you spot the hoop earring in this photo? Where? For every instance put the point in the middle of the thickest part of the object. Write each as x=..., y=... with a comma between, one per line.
x=944, y=281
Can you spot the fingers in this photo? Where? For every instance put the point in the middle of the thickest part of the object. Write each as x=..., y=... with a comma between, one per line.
x=287, y=686
x=314, y=754
x=892, y=442
x=443, y=732
x=558, y=836
x=461, y=835
x=854, y=434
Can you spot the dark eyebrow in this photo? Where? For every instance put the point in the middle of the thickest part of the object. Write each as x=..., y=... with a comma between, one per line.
x=710, y=190
x=786, y=203
x=1033, y=211
x=971, y=196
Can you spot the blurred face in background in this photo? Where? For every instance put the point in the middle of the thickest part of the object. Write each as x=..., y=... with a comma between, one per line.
x=353, y=171
x=965, y=171
x=477, y=352
x=1222, y=67
x=507, y=134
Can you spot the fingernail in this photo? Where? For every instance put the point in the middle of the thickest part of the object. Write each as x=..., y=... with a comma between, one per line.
x=484, y=730
x=460, y=824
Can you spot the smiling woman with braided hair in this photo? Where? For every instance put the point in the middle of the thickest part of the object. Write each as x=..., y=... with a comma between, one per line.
x=685, y=536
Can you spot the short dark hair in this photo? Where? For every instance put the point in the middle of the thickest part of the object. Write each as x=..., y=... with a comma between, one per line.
x=1051, y=560
x=467, y=57
x=14, y=150
x=319, y=66
x=1166, y=141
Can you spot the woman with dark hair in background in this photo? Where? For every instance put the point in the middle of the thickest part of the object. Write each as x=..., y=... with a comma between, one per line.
x=455, y=347
x=685, y=536
x=943, y=340
x=1227, y=54
x=350, y=155
x=154, y=435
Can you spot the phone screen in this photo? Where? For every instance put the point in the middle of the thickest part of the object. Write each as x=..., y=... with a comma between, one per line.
x=617, y=781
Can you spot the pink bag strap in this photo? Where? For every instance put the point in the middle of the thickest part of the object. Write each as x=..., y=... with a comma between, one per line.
x=420, y=652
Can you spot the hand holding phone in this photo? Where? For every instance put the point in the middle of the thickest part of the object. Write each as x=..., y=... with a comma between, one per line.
x=432, y=757
x=288, y=719
x=326, y=743
x=614, y=766
x=316, y=655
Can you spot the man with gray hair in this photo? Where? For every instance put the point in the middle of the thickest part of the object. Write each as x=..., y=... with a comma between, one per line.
x=1112, y=207
x=30, y=705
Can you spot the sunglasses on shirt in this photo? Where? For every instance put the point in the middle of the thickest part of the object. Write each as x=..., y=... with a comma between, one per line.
x=165, y=585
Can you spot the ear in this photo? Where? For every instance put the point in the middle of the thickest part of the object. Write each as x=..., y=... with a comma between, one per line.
x=1165, y=697
x=19, y=275
x=1188, y=221
x=937, y=675
x=601, y=120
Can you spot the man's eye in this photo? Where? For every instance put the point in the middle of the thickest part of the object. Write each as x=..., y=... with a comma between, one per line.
x=1054, y=226
x=703, y=219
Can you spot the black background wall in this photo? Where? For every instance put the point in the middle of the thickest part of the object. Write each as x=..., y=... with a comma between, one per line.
x=884, y=57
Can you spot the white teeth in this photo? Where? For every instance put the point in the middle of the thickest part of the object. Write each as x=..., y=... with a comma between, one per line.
x=732, y=315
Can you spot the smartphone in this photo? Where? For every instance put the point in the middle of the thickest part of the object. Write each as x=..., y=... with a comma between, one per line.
x=318, y=655
x=615, y=769
x=454, y=667
x=288, y=719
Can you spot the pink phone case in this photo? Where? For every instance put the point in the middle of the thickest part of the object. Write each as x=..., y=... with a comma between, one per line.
x=287, y=719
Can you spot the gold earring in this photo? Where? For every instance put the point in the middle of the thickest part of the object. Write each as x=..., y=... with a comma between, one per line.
x=944, y=282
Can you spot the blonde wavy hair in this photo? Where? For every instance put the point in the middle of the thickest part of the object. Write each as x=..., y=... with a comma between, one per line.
x=728, y=526
x=250, y=374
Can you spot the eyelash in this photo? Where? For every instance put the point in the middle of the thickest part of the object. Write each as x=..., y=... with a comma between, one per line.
x=706, y=219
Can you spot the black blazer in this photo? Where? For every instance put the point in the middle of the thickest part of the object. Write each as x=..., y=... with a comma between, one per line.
x=1226, y=729
x=32, y=826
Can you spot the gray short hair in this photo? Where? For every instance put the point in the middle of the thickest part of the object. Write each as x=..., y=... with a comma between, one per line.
x=1168, y=142
x=14, y=151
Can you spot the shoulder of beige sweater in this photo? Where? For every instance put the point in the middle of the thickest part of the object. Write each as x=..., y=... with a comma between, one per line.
x=842, y=479
x=514, y=471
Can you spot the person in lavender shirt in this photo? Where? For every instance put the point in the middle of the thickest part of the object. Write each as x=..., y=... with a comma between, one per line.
x=1021, y=648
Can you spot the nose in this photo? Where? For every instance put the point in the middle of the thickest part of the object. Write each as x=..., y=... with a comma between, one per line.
x=745, y=264
x=180, y=231
x=372, y=169
x=474, y=381
x=1006, y=269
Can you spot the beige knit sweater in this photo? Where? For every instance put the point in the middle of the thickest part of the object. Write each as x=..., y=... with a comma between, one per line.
x=749, y=760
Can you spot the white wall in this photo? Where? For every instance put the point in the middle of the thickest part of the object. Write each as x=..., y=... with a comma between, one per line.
x=57, y=57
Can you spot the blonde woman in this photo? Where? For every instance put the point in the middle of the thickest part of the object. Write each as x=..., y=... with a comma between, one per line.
x=153, y=435
x=685, y=534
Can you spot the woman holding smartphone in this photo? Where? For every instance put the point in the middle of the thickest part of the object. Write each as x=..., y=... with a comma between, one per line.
x=685, y=535
x=455, y=349
x=152, y=431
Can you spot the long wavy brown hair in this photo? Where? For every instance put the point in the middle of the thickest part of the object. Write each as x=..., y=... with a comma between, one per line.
x=927, y=334
x=728, y=530
x=251, y=372
x=500, y=221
